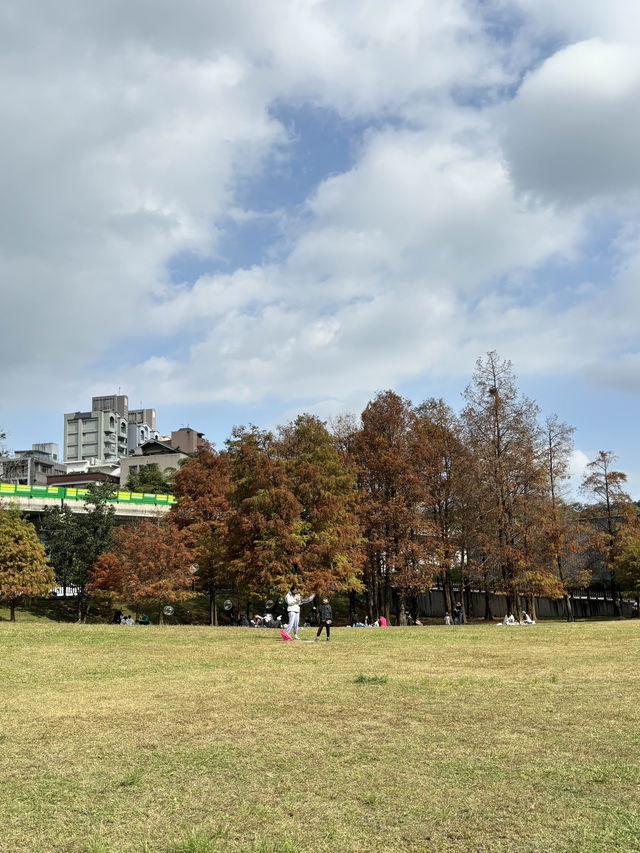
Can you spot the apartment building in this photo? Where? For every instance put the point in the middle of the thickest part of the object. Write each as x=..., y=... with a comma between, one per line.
x=108, y=431
x=32, y=467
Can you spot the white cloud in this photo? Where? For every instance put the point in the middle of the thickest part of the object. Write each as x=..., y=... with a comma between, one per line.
x=131, y=126
x=578, y=468
x=386, y=282
x=576, y=20
x=573, y=131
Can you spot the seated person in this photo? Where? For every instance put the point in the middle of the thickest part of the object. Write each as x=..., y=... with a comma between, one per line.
x=525, y=619
x=509, y=619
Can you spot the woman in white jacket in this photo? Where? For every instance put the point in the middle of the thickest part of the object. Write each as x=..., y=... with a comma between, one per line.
x=294, y=600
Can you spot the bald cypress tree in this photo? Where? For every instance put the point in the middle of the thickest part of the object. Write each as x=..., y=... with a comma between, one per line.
x=503, y=436
x=612, y=519
x=24, y=568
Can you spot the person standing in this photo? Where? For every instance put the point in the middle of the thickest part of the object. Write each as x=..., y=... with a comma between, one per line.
x=325, y=616
x=293, y=600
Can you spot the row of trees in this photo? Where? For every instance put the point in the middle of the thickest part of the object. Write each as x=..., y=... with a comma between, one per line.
x=386, y=504
x=380, y=506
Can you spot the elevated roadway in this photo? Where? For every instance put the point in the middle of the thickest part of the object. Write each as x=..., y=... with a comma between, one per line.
x=33, y=500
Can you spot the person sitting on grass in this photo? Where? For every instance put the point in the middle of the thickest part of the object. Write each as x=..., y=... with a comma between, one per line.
x=525, y=619
x=325, y=615
x=509, y=619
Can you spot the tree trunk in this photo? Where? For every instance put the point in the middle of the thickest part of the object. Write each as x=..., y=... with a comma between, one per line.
x=386, y=601
x=446, y=590
x=510, y=603
x=415, y=615
x=468, y=600
x=487, y=603
x=352, y=606
x=12, y=610
x=160, y=616
x=213, y=610
x=370, y=585
x=570, y=617
x=615, y=597
x=402, y=616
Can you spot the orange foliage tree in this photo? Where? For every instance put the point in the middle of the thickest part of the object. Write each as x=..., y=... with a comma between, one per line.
x=151, y=562
x=201, y=486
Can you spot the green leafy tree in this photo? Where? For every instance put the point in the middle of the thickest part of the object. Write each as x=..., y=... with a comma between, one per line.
x=24, y=568
x=152, y=480
x=75, y=540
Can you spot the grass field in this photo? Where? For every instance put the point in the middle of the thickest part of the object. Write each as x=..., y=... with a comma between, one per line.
x=439, y=739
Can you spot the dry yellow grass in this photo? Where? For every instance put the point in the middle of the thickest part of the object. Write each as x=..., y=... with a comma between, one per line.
x=195, y=739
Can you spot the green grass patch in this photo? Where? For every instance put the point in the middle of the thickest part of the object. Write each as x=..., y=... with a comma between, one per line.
x=196, y=739
x=370, y=679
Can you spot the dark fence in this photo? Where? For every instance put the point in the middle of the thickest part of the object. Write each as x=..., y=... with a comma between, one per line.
x=592, y=605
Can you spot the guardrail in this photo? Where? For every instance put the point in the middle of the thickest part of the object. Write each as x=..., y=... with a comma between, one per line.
x=8, y=490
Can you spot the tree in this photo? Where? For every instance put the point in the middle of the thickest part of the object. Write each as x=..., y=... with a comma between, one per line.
x=292, y=510
x=75, y=540
x=152, y=480
x=391, y=506
x=264, y=525
x=503, y=436
x=202, y=486
x=156, y=564
x=559, y=532
x=612, y=518
x=441, y=460
x=627, y=567
x=24, y=569
x=325, y=487
x=106, y=576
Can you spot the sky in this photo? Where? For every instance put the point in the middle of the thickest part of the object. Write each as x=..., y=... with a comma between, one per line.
x=237, y=212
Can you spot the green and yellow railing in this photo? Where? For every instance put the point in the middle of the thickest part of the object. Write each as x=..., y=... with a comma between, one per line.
x=9, y=490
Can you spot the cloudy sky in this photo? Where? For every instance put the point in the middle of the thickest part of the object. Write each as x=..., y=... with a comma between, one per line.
x=235, y=212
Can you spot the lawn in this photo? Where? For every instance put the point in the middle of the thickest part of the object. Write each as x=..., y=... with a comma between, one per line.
x=191, y=739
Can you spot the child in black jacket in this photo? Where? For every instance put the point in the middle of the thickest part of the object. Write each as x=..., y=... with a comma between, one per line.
x=325, y=618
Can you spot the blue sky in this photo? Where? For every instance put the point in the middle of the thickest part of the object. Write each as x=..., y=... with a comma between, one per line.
x=259, y=209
